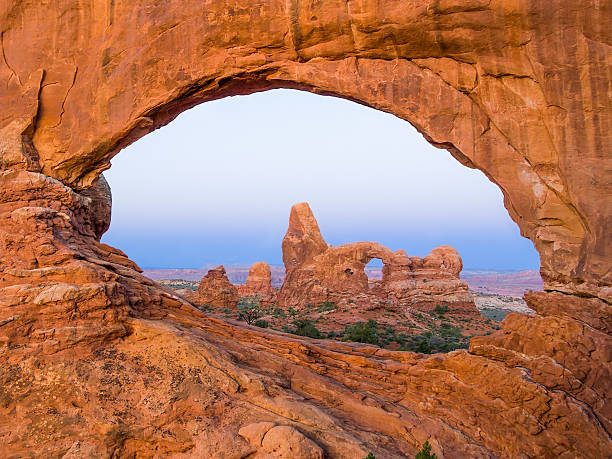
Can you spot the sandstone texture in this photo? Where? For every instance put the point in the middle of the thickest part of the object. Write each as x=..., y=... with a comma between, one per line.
x=99, y=361
x=317, y=273
x=216, y=290
x=258, y=283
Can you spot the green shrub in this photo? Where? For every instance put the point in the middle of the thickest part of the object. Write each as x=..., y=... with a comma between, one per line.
x=362, y=332
x=441, y=310
x=262, y=323
x=327, y=306
x=305, y=327
x=444, y=339
x=370, y=456
x=425, y=452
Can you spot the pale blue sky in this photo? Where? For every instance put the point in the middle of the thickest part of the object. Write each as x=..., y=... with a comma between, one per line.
x=216, y=186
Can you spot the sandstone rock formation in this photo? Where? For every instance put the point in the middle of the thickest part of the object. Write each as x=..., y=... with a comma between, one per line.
x=316, y=272
x=283, y=442
x=258, y=283
x=98, y=361
x=216, y=290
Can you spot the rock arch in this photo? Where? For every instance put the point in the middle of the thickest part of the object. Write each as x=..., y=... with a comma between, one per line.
x=516, y=89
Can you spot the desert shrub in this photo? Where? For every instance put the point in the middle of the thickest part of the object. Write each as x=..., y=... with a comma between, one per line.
x=425, y=452
x=362, y=332
x=305, y=327
x=249, y=310
x=206, y=308
x=441, y=310
x=327, y=306
x=370, y=456
x=292, y=312
x=278, y=312
x=261, y=323
x=444, y=339
x=494, y=314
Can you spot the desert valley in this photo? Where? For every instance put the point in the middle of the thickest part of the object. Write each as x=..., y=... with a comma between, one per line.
x=413, y=304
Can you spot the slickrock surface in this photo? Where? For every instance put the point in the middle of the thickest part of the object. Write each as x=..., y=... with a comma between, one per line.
x=317, y=272
x=258, y=283
x=216, y=290
x=98, y=361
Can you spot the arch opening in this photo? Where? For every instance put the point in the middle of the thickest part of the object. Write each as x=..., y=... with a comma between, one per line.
x=224, y=168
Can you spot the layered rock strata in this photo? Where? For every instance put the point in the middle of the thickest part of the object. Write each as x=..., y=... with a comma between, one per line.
x=317, y=272
x=98, y=361
x=258, y=283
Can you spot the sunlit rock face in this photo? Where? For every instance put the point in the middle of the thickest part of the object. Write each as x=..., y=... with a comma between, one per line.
x=98, y=361
x=216, y=290
x=317, y=273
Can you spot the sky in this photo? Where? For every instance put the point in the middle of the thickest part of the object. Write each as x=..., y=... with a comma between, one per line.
x=216, y=185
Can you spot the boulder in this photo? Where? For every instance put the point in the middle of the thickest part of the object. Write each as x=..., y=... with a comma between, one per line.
x=281, y=442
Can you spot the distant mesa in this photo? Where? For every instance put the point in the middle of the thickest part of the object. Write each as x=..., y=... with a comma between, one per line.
x=317, y=273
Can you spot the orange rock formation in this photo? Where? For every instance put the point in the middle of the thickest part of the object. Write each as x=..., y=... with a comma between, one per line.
x=216, y=290
x=98, y=361
x=259, y=282
x=316, y=272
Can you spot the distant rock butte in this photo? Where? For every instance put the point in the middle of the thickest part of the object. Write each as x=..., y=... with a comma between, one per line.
x=216, y=290
x=317, y=272
x=258, y=283
x=99, y=361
